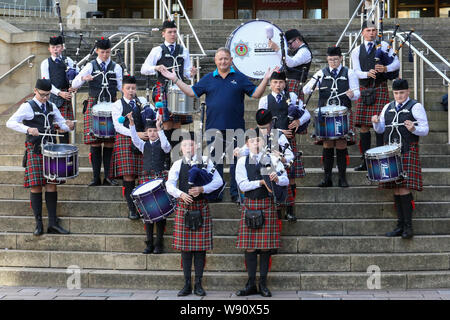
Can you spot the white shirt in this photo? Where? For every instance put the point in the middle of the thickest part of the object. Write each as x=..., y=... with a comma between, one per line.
x=263, y=104
x=87, y=70
x=301, y=57
x=353, y=82
x=418, y=112
x=395, y=65
x=25, y=112
x=45, y=72
x=139, y=143
x=148, y=68
x=174, y=173
x=245, y=184
x=116, y=113
x=282, y=140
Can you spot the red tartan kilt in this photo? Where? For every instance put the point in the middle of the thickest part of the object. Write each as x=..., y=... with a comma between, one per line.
x=413, y=169
x=187, y=240
x=66, y=110
x=146, y=176
x=290, y=199
x=268, y=237
x=297, y=169
x=364, y=114
x=294, y=86
x=351, y=140
x=34, y=171
x=124, y=162
x=88, y=138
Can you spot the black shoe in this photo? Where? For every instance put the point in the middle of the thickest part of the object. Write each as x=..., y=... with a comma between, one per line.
x=95, y=182
x=290, y=215
x=248, y=290
x=326, y=183
x=343, y=182
x=110, y=182
x=149, y=248
x=198, y=289
x=407, y=233
x=57, y=230
x=397, y=232
x=39, y=229
x=361, y=167
x=133, y=215
x=158, y=250
x=187, y=289
x=264, y=291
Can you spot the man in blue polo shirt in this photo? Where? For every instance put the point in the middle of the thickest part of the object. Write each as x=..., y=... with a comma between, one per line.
x=225, y=91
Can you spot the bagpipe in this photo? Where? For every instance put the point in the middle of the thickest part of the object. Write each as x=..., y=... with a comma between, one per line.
x=294, y=113
x=198, y=175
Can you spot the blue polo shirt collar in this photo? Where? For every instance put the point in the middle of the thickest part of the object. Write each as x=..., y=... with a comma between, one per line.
x=216, y=72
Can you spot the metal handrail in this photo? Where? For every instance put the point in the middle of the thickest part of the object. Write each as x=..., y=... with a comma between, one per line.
x=18, y=66
x=430, y=48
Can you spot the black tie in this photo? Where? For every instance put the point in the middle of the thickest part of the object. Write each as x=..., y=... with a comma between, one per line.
x=103, y=64
x=370, y=44
x=399, y=106
x=132, y=104
x=278, y=98
x=44, y=109
x=334, y=73
x=171, y=48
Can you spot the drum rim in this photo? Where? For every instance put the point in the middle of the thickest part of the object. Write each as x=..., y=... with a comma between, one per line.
x=228, y=43
x=59, y=153
x=393, y=152
x=332, y=113
x=141, y=185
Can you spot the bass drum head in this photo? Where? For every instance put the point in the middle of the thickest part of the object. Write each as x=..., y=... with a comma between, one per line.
x=61, y=149
x=383, y=150
x=248, y=44
x=103, y=107
x=148, y=186
x=332, y=110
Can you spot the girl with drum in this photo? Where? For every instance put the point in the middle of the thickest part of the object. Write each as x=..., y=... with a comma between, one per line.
x=192, y=233
x=338, y=88
x=154, y=148
x=105, y=78
x=35, y=118
x=258, y=228
x=403, y=121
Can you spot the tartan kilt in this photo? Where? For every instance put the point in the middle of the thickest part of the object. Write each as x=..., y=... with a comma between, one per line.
x=294, y=86
x=351, y=140
x=297, y=169
x=290, y=199
x=66, y=110
x=268, y=237
x=187, y=240
x=34, y=170
x=412, y=168
x=146, y=176
x=88, y=138
x=123, y=161
x=364, y=114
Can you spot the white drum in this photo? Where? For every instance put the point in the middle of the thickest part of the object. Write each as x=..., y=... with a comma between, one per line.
x=249, y=48
x=179, y=103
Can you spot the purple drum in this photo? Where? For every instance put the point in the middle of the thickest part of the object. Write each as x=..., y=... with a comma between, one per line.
x=102, y=122
x=384, y=163
x=60, y=161
x=152, y=200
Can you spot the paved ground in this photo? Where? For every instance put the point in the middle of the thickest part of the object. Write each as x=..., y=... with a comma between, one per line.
x=48, y=293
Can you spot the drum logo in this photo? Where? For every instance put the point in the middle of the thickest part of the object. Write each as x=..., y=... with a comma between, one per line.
x=384, y=170
x=241, y=49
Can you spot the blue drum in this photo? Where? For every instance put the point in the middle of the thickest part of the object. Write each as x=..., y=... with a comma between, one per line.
x=152, y=201
x=102, y=122
x=384, y=163
x=335, y=124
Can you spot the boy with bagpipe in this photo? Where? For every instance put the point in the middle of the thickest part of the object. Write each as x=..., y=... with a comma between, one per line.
x=99, y=72
x=192, y=233
x=403, y=121
x=36, y=118
x=259, y=231
x=60, y=70
x=291, y=118
x=154, y=151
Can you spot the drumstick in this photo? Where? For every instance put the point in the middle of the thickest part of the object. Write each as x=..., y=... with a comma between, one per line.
x=53, y=135
x=341, y=94
x=401, y=124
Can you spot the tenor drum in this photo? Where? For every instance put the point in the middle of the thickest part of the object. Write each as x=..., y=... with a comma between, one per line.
x=335, y=124
x=152, y=201
x=179, y=103
x=248, y=44
x=102, y=123
x=60, y=161
x=384, y=163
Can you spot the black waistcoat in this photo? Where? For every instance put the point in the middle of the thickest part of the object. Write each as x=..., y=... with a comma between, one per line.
x=342, y=86
x=254, y=173
x=95, y=86
x=407, y=136
x=367, y=62
x=154, y=156
x=279, y=110
x=168, y=61
x=296, y=72
x=183, y=179
x=38, y=121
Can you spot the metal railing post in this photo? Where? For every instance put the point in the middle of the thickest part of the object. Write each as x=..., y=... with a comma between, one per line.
x=126, y=54
x=73, y=133
x=132, y=57
x=388, y=9
x=448, y=111
x=400, y=58
x=198, y=67
x=422, y=81
x=416, y=77
x=155, y=9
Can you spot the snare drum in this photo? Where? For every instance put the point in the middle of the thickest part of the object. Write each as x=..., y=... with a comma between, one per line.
x=384, y=163
x=152, y=201
x=60, y=161
x=179, y=103
x=335, y=125
x=249, y=48
x=102, y=123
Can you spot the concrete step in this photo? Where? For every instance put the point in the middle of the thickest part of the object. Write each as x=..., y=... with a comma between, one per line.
x=225, y=262
x=228, y=210
x=229, y=227
x=173, y=280
x=226, y=244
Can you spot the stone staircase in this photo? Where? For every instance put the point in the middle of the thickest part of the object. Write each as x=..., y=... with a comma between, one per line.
x=339, y=233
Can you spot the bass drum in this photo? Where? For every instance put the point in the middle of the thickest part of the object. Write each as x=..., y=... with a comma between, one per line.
x=248, y=44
